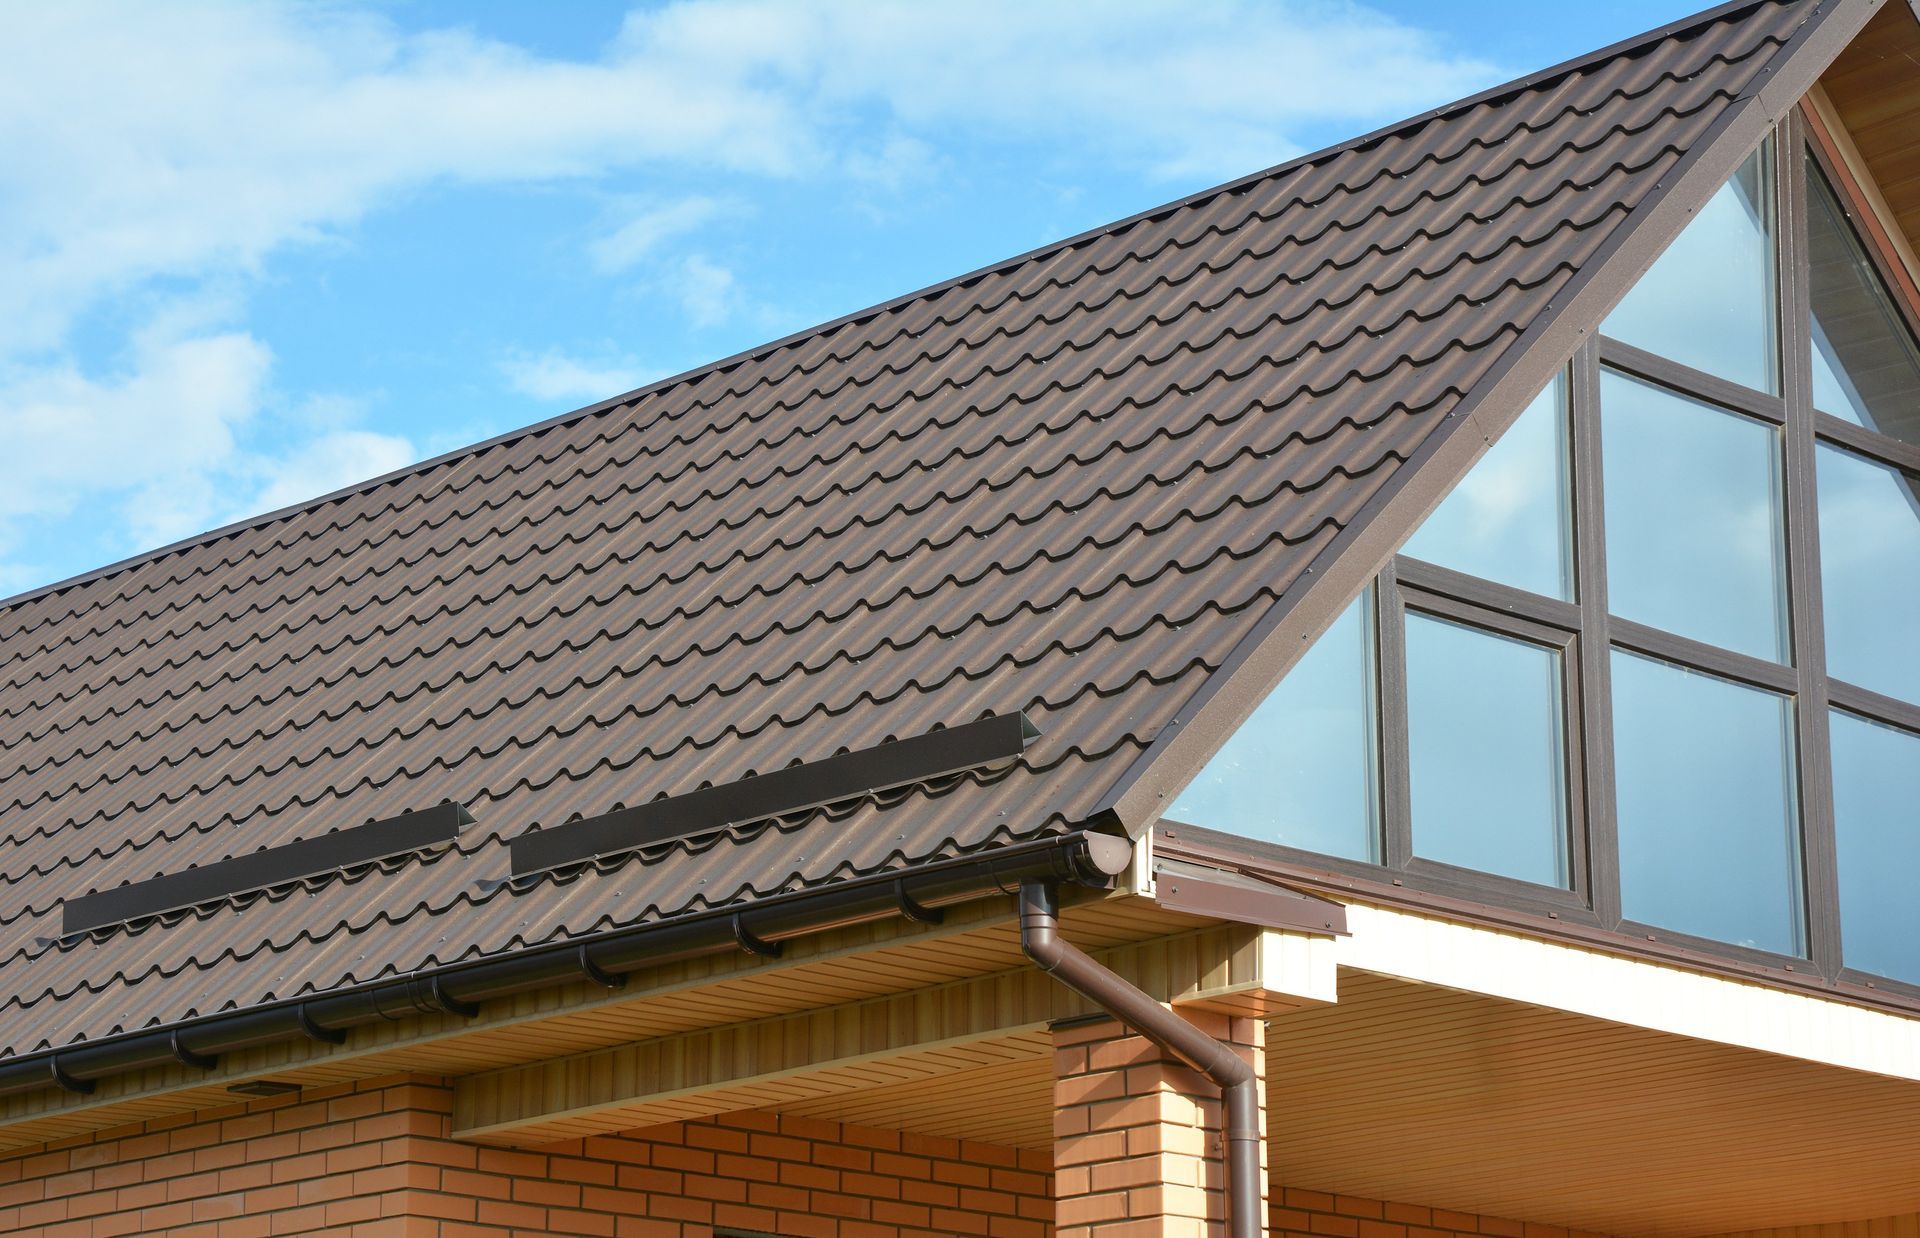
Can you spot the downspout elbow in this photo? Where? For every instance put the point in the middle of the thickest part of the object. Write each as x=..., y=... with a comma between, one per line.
x=1040, y=925
x=1237, y=1080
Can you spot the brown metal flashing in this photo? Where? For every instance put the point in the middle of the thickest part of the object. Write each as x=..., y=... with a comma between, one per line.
x=1365, y=545
x=1221, y=894
x=988, y=743
x=361, y=844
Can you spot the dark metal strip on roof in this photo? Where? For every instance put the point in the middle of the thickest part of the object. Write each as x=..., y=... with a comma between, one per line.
x=974, y=745
x=361, y=844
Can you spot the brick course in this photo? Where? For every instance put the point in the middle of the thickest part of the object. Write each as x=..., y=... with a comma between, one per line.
x=375, y=1160
x=1137, y=1145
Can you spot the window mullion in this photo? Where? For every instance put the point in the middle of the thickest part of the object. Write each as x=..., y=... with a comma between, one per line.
x=1396, y=794
x=1595, y=784
x=1803, y=559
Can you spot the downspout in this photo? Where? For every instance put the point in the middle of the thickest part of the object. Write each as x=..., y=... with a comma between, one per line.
x=1239, y=1085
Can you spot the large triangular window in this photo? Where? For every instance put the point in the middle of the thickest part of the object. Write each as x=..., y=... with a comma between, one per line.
x=1653, y=665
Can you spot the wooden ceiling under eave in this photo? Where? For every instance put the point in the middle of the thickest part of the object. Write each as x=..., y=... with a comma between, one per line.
x=1873, y=91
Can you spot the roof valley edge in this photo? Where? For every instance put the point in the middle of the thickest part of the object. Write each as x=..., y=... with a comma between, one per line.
x=1095, y=484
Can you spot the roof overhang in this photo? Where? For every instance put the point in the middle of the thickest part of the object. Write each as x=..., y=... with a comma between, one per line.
x=1871, y=96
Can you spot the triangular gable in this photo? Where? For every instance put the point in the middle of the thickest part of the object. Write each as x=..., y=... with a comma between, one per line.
x=1327, y=587
x=1691, y=714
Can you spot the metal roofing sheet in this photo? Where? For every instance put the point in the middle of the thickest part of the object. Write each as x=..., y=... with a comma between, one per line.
x=1070, y=485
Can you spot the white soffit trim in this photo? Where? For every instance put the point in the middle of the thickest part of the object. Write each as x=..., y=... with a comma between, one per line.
x=1636, y=992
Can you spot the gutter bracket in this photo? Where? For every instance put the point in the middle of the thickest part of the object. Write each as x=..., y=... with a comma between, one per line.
x=912, y=910
x=313, y=1031
x=596, y=973
x=750, y=943
x=187, y=1057
x=66, y=1082
x=448, y=1002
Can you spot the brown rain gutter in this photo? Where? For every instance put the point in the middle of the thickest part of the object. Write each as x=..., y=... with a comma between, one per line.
x=1239, y=1086
x=760, y=927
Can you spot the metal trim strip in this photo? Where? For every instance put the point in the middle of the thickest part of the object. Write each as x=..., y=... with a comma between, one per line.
x=307, y=857
x=797, y=788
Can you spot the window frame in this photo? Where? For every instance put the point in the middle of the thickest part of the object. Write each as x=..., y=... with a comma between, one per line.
x=1586, y=633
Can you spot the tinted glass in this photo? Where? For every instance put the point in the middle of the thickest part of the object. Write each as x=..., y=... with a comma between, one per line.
x=1876, y=808
x=1508, y=520
x=1865, y=366
x=1694, y=541
x=1709, y=831
x=1870, y=573
x=1301, y=770
x=1708, y=301
x=1485, y=737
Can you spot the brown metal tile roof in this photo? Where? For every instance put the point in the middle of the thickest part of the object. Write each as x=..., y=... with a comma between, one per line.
x=1073, y=484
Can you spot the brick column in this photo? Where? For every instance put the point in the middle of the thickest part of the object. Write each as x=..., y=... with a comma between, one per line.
x=1137, y=1149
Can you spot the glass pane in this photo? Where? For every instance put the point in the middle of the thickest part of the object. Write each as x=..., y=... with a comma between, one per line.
x=1876, y=808
x=1694, y=543
x=1870, y=573
x=1301, y=770
x=1508, y=520
x=1865, y=366
x=1709, y=831
x=1484, y=733
x=1708, y=301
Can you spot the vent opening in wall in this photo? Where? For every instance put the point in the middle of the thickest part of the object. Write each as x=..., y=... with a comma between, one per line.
x=263, y=1087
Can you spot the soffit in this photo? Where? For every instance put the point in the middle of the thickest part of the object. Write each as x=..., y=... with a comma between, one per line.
x=1419, y=1093
x=1874, y=89
x=1429, y=1095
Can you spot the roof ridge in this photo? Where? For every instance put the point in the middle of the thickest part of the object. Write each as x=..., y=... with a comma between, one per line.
x=1539, y=78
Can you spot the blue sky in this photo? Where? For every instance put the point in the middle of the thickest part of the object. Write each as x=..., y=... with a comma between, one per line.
x=252, y=253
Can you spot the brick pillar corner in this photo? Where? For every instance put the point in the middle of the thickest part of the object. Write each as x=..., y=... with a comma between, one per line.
x=1138, y=1151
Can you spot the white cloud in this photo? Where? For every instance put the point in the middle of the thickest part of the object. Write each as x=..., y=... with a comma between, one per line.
x=120, y=165
x=152, y=428
x=1191, y=90
x=324, y=465
x=646, y=231
x=895, y=163
x=169, y=443
x=161, y=155
x=706, y=290
x=554, y=375
x=293, y=122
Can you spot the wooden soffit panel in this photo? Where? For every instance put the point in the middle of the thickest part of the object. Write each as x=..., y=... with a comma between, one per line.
x=1874, y=90
x=902, y=1040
